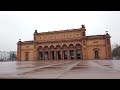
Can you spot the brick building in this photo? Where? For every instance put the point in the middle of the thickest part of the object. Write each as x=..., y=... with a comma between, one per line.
x=72, y=44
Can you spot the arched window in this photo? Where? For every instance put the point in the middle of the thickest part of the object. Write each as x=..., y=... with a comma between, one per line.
x=96, y=54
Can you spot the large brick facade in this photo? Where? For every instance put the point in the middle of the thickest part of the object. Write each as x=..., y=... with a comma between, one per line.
x=65, y=45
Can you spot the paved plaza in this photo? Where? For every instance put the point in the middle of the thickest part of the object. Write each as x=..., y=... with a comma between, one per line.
x=62, y=69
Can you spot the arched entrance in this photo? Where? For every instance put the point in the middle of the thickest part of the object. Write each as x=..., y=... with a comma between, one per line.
x=78, y=51
x=58, y=52
x=40, y=53
x=96, y=53
x=52, y=52
x=71, y=52
x=46, y=54
x=64, y=52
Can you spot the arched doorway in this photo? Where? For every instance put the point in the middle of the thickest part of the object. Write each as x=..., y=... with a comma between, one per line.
x=46, y=54
x=96, y=53
x=40, y=53
x=64, y=52
x=78, y=53
x=58, y=52
x=71, y=52
x=52, y=52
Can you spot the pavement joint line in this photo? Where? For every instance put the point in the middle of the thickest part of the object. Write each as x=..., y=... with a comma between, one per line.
x=68, y=69
x=43, y=67
x=39, y=67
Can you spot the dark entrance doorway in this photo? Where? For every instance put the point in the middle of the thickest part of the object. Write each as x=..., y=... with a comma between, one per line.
x=65, y=54
x=52, y=55
x=46, y=55
x=71, y=54
x=78, y=55
x=58, y=55
x=40, y=56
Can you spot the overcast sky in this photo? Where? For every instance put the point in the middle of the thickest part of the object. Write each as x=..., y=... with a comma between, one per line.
x=15, y=25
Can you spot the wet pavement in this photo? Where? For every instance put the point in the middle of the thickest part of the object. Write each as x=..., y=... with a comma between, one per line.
x=75, y=69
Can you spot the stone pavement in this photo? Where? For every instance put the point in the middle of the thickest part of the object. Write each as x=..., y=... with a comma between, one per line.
x=75, y=69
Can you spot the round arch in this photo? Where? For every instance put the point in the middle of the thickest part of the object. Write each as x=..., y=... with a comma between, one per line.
x=58, y=47
x=46, y=48
x=78, y=46
x=71, y=46
x=40, y=48
x=64, y=47
x=52, y=48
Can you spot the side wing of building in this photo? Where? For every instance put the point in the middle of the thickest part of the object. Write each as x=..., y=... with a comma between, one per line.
x=25, y=50
x=98, y=47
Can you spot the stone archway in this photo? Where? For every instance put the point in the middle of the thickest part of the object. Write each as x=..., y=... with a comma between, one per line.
x=52, y=52
x=71, y=52
x=40, y=53
x=58, y=52
x=78, y=51
x=64, y=52
x=46, y=53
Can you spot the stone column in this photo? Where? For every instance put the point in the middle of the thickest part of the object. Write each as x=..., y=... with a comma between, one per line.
x=61, y=54
x=48, y=55
x=43, y=55
x=68, y=54
x=55, y=56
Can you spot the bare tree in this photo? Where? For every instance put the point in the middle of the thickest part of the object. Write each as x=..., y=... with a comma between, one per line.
x=116, y=51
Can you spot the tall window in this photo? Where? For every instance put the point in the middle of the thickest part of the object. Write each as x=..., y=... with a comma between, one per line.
x=65, y=55
x=71, y=54
x=83, y=33
x=96, y=54
x=78, y=54
x=46, y=55
x=40, y=56
x=59, y=55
